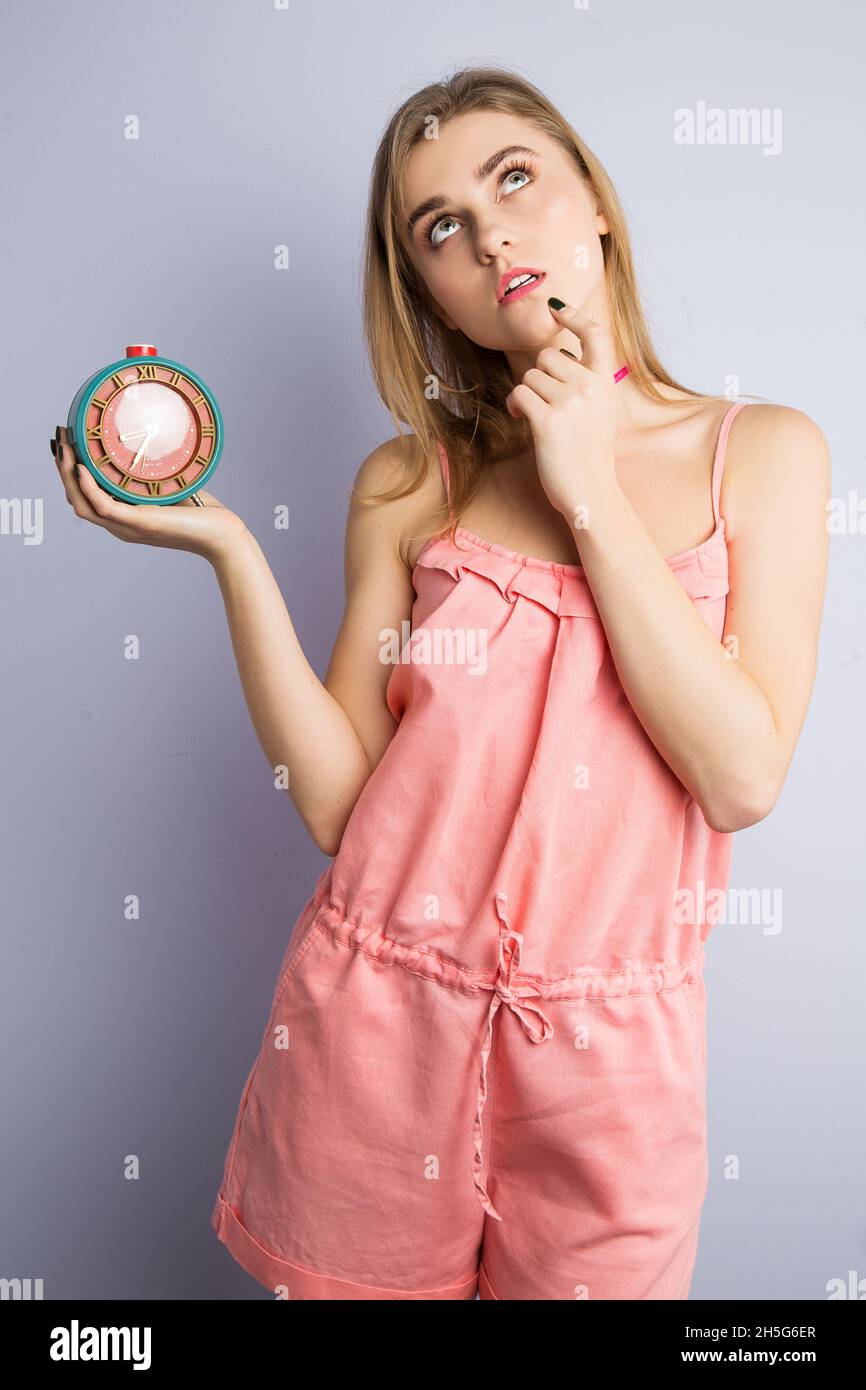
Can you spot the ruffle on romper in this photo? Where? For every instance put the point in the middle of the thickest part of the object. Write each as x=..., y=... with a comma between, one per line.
x=564, y=589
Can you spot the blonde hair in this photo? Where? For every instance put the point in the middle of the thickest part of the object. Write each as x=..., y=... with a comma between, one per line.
x=443, y=385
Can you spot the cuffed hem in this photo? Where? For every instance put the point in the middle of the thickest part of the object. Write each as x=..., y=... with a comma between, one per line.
x=274, y=1272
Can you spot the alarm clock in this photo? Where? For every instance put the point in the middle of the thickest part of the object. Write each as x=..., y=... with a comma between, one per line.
x=147, y=428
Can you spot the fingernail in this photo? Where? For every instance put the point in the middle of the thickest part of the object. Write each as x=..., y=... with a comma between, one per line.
x=53, y=447
x=556, y=303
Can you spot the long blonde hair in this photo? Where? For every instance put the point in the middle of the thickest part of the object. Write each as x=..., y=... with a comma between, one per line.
x=443, y=385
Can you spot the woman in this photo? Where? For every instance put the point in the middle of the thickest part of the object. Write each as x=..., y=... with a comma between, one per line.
x=530, y=801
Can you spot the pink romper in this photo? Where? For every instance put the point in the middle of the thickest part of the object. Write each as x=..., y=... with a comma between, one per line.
x=484, y=1068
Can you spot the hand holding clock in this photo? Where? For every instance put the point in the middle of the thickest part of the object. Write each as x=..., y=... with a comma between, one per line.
x=208, y=531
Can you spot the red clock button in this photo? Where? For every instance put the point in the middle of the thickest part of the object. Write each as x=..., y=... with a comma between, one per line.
x=142, y=350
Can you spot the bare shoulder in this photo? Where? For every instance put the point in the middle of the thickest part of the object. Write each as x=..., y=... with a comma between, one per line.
x=400, y=521
x=777, y=459
x=385, y=464
x=775, y=491
x=779, y=425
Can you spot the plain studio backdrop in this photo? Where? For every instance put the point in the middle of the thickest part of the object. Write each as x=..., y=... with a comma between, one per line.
x=153, y=163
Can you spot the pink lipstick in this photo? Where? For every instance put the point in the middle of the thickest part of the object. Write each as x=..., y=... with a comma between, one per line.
x=518, y=273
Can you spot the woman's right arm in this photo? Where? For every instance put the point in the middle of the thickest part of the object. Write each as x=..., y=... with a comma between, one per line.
x=328, y=736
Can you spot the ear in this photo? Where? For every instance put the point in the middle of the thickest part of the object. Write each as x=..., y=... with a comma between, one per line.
x=601, y=223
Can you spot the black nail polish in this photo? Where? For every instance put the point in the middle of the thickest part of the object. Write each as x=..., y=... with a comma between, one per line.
x=556, y=303
x=53, y=447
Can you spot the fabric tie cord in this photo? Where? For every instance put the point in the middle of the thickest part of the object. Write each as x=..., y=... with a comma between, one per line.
x=534, y=1022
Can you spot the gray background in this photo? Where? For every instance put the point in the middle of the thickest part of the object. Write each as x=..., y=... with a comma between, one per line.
x=258, y=128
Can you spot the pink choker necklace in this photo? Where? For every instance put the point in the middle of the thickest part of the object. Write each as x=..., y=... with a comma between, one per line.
x=623, y=371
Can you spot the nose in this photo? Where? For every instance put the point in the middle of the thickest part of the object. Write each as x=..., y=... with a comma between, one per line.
x=494, y=239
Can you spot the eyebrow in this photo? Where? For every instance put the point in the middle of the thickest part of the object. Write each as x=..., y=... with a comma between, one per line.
x=438, y=200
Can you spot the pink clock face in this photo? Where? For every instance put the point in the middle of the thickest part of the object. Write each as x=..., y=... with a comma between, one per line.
x=150, y=430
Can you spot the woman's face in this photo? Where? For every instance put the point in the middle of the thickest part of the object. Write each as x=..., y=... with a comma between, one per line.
x=482, y=228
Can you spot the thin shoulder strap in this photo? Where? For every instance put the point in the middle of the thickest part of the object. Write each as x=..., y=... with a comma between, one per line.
x=443, y=459
x=721, y=450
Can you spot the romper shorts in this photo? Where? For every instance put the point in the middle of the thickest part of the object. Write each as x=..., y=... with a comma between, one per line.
x=414, y=1130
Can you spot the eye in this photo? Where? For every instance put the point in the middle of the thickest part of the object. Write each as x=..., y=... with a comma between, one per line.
x=433, y=226
x=516, y=169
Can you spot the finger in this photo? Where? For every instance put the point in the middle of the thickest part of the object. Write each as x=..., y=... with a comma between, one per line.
x=105, y=507
x=87, y=497
x=558, y=363
x=524, y=401
x=595, y=339
x=56, y=450
x=65, y=457
x=56, y=455
x=566, y=341
x=547, y=387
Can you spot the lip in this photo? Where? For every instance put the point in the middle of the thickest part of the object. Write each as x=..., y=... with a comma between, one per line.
x=508, y=276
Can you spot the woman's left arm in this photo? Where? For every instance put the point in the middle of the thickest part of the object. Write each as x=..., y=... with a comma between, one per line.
x=726, y=716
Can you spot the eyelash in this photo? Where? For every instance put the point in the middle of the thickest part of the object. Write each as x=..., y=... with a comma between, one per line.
x=517, y=167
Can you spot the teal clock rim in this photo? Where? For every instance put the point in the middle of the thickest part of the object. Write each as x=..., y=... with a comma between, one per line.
x=87, y=392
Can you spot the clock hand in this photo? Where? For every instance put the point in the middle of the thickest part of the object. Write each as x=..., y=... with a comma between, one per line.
x=142, y=452
x=152, y=428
